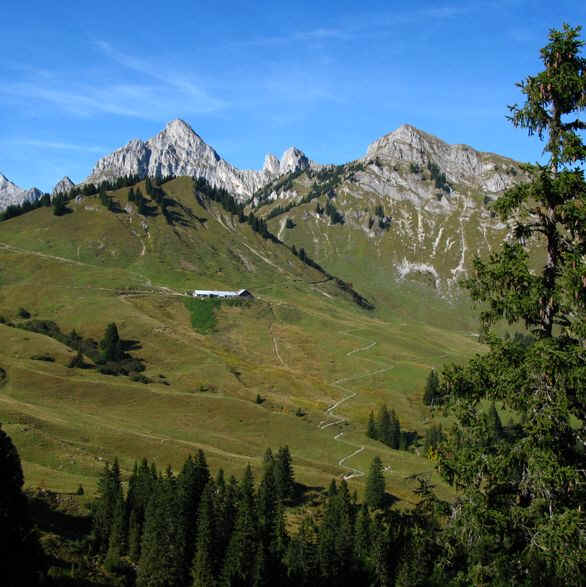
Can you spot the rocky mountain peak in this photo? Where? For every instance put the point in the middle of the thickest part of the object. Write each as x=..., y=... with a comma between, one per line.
x=62, y=186
x=179, y=150
x=293, y=159
x=272, y=164
x=461, y=164
x=11, y=194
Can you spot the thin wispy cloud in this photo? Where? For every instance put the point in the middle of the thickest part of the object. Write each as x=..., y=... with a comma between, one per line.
x=157, y=96
x=167, y=77
x=58, y=145
x=370, y=25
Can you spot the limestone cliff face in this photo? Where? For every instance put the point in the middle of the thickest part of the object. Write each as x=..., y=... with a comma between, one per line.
x=421, y=206
x=465, y=168
x=11, y=194
x=179, y=150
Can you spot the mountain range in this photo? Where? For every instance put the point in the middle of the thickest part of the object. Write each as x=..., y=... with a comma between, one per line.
x=178, y=150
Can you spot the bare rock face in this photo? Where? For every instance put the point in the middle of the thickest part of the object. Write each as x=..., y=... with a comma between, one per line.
x=63, y=186
x=178, y=150
x=462, y=165
x=293, y=159
x=11, y=194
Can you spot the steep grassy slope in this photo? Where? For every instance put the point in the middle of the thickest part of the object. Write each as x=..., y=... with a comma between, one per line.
x=301, y=344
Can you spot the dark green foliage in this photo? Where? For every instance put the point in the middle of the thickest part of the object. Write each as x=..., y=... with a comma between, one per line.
x=336, y=539
x=520, y=517
x=241, y=554
x=105, y=506
x=43, y=357
x=27, y=206
x=284, y=476
x=387, y=428
x=371, y=431
x=439, y=177
x=282, y=184
x=433, y=437
x=162, y=560
x=77, y=361
x=414, y=168
x=375, y=484
x=336, y=217
x=22, y=313
x=111, y=344
x=192, y=481
x=125, y=365
x=21, y=557
x=60, y=205
x=494, y=423
x=207, y=556
x=431, y=395
x=289, y=223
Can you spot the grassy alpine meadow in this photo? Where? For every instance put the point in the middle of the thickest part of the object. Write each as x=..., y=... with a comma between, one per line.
x=231, y=379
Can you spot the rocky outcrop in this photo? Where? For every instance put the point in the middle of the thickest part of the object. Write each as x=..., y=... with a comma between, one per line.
x=11, y=194
x=179, y=150
x=63, y=186
x=464, y=167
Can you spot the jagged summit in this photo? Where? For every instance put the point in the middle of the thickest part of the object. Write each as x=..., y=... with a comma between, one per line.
x=179, y=150
x=11, y=194
x=461, y=163
x=62, y=186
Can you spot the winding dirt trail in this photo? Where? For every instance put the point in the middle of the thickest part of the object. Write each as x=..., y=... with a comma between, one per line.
x=333, y=419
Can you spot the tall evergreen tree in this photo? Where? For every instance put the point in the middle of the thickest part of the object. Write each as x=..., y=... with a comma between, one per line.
x=520, y=517
x=394, y=440
x=206, y=560
x=384, y=425
x=431, y=393
x=371, y=431
x=162, y=562
x=21, y=557
x=109, y=491
x=118, y=533
x=111, y=345
x=375, y=484
x=284, y=475
x=241, y=554
x=302, y=557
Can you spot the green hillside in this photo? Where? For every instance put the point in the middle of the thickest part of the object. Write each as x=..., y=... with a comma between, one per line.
x=299, y=346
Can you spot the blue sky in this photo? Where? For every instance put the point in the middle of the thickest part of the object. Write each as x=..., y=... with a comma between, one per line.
x=80, y=79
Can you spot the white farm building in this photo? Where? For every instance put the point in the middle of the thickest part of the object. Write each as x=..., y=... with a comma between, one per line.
x=210, y=293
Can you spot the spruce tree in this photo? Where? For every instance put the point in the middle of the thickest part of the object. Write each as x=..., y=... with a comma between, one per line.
x=241, y=554
x=363, y=537
x=384, y=425
x=394, y=431
x=118, y=533
x=284, y=476
x=109, y=491
x=111, y=344
x=520, y=515
x=375, y=484
x=162, y=561
x=21, y=557
x=431, y=393
x=206, y=560
x=302, y=557
x=371, y=428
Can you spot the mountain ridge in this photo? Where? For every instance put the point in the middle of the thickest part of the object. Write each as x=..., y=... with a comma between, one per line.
x=178, y=150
